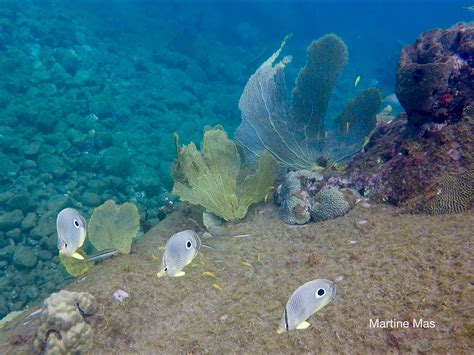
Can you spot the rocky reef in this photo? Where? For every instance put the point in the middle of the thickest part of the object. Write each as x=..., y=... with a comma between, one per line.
x=434, y=76
x=408, y=161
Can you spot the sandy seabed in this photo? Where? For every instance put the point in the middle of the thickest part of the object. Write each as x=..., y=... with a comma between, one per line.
x=387, y=266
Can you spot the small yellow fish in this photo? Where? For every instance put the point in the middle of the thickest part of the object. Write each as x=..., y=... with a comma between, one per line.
x=258, y=257
x=217, y=287
x=387, y=110
x=209, y=273
x=268, y=194
x=364, y=144
x=356, y=82
x=246, y=263
x=347, y=126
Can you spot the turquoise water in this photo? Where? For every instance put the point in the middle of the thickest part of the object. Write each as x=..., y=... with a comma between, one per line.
x=91, y=93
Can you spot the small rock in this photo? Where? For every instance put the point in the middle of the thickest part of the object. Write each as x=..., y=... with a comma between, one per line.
x=14, y=234
x=49, y=163
x=7, y=167
x=29, y=221
x=31, y=149
x=97, y=186
x=24, y=257
x=91, y=199
x=116, y=161
x=21, y=201
x=57, y=202
x=6, y=253
x=45, y=255
x=10, y=220
x=46, y=121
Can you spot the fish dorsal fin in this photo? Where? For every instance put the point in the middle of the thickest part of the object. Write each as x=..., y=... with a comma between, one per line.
x=77, y=256
x=303, y=325
x=179, y=274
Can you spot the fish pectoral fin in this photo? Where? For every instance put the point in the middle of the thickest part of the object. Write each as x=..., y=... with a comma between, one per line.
x=77, y=256
x=179, y=274
x=303, y=325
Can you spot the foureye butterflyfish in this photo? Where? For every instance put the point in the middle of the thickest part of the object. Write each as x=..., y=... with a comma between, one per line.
x=306, y=300
x=180, y=250
x=71, y=229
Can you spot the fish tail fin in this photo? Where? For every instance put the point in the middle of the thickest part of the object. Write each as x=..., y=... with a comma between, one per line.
x=77, y=256
x=303, y=325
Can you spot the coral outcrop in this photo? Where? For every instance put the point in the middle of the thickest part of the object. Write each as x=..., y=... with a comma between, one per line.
x=63, y=328
x=434, y=76
x=422, y=160
x=294, y=195
x=303, y=196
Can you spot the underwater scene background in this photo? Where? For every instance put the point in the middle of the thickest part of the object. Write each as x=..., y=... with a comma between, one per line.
x=100, y=100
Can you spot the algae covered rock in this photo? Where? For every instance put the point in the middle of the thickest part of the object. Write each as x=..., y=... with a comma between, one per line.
x=24, y=257
x=210, y=178
x=114, y=226
x=116, y=161
x=63, y=329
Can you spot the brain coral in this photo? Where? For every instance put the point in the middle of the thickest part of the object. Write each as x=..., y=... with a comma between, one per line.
x=332, y=202
x=63, y=329
x=454, y=194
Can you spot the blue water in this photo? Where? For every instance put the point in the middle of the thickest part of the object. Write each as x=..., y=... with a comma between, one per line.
x=81, y=77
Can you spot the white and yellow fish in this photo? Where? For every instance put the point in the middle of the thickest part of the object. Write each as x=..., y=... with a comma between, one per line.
x=357, y=80
x=306, y=300
x=180, y=250
x=71, y=228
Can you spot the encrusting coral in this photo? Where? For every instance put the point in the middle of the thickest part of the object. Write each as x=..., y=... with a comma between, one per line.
x=63, y=329
x=295, y=135
x=210, y=178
